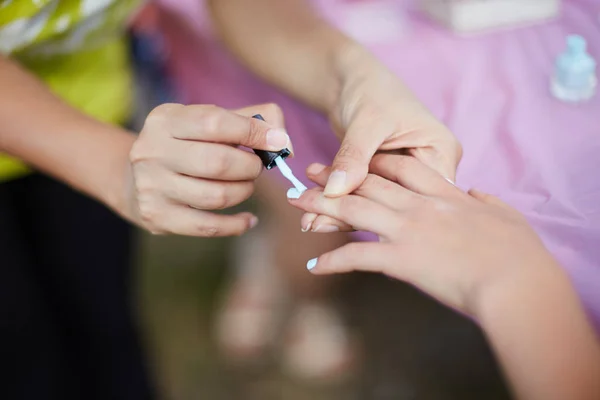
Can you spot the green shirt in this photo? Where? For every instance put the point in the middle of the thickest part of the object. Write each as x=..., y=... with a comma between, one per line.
x=78, y=48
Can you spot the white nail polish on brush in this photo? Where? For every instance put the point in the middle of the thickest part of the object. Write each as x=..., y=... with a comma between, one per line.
x=271, y=159
x=286, y=171
x=293, y=193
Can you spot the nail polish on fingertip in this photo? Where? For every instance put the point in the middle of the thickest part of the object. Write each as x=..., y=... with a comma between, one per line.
x=253, y=221
x=311, y=219
x=307, y=228
x=294, y=193
x=290, y=147
x=311, y=263
x=277, y=139
x=336, y=184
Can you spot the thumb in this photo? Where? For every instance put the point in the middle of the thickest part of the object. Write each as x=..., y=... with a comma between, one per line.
x=351, y=164
x=443, y=160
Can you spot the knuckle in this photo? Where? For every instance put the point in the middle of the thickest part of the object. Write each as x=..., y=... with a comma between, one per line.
x=209, y=119
x=349, y=205
x=138, y=152
x=342, y=257
x=349, y=151
x=351, y=250
x=143, y=150
x=426, y=208
x=373, y=183
x=256, y=133
x=162, y=112
x=219, y=166
x=144, y=187
x=257, y=168
x=273, y=111
x=219, y=198
x=149, y=213
x=209, y=230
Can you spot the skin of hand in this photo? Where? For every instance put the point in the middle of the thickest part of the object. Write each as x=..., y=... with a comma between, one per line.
x=369, y=108
x=375, y=111
x=475, y=254
x=453, y=245
x=186, y=162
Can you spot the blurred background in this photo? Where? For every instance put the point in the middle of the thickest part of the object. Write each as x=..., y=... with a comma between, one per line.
x=413, y=347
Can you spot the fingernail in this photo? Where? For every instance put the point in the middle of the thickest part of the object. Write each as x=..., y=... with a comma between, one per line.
x=311, y=263
x=326, y=229
x=277, y=139
x=336, y=184
x=311, y=218
x=294, y=193
x=315, y=169
x=253, y=221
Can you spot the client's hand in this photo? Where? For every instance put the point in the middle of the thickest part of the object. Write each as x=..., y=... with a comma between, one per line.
x=186, y=162
x=475, y=254
x=448, y=243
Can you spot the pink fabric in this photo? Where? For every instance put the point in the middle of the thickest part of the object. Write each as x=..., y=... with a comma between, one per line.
x=538, y=154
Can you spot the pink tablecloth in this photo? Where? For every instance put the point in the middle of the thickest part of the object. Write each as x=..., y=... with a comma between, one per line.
x=538, y=154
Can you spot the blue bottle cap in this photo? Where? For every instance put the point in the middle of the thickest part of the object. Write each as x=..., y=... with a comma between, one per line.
x=575, y=68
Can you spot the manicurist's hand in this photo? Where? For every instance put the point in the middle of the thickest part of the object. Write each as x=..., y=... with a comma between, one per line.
x=375, y=111
x=186, y=163
x=368, y=106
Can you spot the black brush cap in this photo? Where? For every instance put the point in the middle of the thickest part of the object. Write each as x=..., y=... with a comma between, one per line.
x=268, y=157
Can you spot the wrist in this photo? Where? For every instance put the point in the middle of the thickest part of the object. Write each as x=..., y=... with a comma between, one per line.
x=116, y=192
x=338, y=53
x=532, y=284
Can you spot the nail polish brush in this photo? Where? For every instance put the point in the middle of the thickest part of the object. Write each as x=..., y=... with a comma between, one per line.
x=271, y=159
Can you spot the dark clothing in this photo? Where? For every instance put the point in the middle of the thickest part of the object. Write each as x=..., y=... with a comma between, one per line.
x=67, y=326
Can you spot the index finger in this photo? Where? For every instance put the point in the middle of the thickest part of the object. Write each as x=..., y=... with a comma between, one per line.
x=215, y=124
x=356, y=211
x=413, y=175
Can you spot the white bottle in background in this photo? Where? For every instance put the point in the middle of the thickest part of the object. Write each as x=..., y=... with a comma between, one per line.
x=466, y=16
x=373, y=21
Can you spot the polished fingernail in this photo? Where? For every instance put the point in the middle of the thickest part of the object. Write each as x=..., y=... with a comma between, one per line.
x=311, y=263
x=294, y=193
x=315, y=169
x=253, y=221
x=311, y=218
x=336, y=184
x=290, y=147
x=326, y=229
x=277, y=139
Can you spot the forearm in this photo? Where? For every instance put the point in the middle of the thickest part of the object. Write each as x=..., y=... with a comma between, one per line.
x=287, y=44
x=46, y=133
x=542, y=337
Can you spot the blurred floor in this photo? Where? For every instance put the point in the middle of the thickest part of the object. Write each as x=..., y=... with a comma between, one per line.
x=415, y=349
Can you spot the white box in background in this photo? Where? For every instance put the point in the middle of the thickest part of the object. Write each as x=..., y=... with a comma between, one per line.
x=465, y=16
